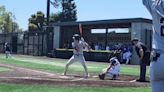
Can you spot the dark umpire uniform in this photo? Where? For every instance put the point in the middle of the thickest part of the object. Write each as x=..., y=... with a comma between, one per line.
x=144, y=56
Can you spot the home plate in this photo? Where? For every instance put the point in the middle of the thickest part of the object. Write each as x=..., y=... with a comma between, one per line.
x=94, y=76
x=65, y=77
x=133, y=81
x=78, y=79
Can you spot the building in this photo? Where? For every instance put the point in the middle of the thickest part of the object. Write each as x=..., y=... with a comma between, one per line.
x=135, y=28
x=101, y=32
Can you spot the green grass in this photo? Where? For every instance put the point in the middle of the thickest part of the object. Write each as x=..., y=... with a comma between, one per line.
x=57, y=65
x=44, y=88
x=2, y=69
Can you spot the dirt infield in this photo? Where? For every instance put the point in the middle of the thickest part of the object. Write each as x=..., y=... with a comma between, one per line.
x=29, y=76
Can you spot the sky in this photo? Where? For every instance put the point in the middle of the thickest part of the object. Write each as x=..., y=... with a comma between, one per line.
x=87, y=10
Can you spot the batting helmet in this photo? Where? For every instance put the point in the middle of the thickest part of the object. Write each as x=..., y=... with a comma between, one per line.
x=76, y=37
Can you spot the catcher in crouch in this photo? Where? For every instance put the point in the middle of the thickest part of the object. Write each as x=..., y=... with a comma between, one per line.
x=113, y=69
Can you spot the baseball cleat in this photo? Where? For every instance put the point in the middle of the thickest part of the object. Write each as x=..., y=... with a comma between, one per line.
x=101, y=76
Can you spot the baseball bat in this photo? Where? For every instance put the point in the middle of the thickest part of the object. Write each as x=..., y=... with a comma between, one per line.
x=80, y=29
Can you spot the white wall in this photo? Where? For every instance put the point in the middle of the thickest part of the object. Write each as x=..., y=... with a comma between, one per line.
x=146, y=27
x=56, y=37
x=138, y=31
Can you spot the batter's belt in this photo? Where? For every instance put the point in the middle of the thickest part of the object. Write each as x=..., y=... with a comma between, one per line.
x=77, y=54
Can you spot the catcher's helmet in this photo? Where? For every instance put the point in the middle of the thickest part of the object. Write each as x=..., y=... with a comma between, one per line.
x=133, y=41
x=76, y=37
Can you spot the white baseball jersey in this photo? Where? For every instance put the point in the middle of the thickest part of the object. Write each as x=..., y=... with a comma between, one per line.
x=115, y=66
x=78, y=47
x=156, y=9
x=78, y=55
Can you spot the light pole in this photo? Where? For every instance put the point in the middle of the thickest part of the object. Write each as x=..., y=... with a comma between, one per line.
x=47, y=27
x=48, y=12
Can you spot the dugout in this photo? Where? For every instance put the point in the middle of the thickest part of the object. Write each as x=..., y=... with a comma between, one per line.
x=135, y=28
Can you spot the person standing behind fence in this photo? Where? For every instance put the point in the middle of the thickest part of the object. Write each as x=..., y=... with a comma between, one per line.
x=7, y=50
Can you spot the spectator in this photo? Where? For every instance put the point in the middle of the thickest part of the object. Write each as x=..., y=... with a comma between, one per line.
x=7, y=50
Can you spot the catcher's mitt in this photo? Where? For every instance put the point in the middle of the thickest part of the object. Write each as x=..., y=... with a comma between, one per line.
x=101, y=76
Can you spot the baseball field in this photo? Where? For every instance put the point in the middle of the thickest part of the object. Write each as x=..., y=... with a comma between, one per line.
x=22, y=73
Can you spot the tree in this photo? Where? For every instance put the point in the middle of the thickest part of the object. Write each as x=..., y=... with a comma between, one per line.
x=7, y=23
x=32, y=25
x=36, y=22
x=55, y=3
x=68, y=11
x=15, y=27
x=55, y=17
x=5, y=20
x=40, y=19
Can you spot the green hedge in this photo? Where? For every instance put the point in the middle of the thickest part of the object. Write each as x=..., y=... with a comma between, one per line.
x=93, y=55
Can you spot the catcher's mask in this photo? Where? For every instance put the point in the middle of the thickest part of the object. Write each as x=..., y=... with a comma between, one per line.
x=133, y=41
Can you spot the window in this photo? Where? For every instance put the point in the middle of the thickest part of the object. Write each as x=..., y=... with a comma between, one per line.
x=110, y=30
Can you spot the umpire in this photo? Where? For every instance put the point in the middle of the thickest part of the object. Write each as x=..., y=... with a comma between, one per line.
x=144, y=56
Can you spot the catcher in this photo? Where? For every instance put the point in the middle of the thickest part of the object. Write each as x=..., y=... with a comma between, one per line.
x=113, y=70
